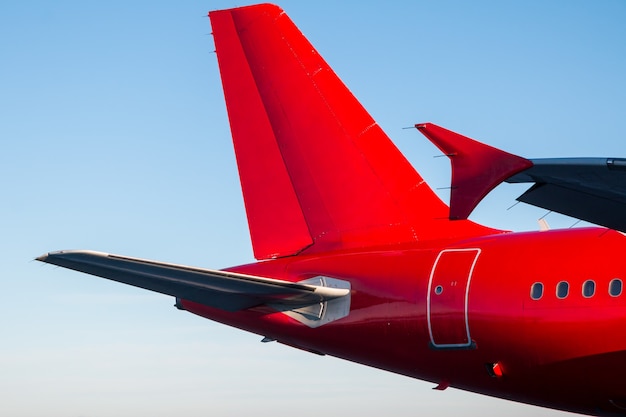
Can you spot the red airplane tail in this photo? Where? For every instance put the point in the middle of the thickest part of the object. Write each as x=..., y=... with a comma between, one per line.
x=317, y=172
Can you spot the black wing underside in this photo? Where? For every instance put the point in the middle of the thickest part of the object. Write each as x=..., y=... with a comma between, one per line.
x=590, y=189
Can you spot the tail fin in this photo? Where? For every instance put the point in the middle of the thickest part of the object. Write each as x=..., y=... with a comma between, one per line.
x=316, y=170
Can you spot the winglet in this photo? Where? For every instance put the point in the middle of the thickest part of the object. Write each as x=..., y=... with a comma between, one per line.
x=476, y=168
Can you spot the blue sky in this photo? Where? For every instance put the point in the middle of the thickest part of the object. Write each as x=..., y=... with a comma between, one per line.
x=114, y=137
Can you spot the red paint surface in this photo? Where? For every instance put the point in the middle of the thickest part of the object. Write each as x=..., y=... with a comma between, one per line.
x=328, y=194
x=314, y=166
x=448, y=302
x=476, y=168
x=568, y=354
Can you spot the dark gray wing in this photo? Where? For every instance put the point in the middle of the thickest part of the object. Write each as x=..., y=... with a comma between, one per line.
x=590, y=189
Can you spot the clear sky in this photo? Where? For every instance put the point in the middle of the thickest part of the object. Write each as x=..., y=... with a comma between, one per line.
x=114, y=137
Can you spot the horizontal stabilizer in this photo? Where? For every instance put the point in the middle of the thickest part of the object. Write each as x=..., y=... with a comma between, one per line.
x=220, y=289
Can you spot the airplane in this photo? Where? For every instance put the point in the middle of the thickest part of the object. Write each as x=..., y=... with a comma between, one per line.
x=358, y=258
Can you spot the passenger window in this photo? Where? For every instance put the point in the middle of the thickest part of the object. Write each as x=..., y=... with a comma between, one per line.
x=615, y=287
x=536, y=291
x=589, y=288
x=562, y=289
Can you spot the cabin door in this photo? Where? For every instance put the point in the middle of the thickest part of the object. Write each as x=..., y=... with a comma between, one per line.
x=448, y=296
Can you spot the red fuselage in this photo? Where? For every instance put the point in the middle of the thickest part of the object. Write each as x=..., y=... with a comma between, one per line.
x=447, y=312
x=361, y=260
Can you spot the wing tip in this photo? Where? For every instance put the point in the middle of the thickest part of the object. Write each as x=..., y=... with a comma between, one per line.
x=42, y=258
x=49, y=256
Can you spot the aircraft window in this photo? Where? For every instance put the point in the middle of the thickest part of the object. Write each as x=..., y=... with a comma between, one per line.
x=615, y=287
x=562, y=289
x=589, y=288
x=536, y=291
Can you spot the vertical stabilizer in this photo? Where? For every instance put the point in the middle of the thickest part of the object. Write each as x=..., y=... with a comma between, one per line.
x=316, y=170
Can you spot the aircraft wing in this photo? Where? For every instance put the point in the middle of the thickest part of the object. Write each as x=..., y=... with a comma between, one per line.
x=220, y=289
x=590, y=189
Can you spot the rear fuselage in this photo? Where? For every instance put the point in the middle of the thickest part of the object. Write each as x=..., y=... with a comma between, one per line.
x=448, y=312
